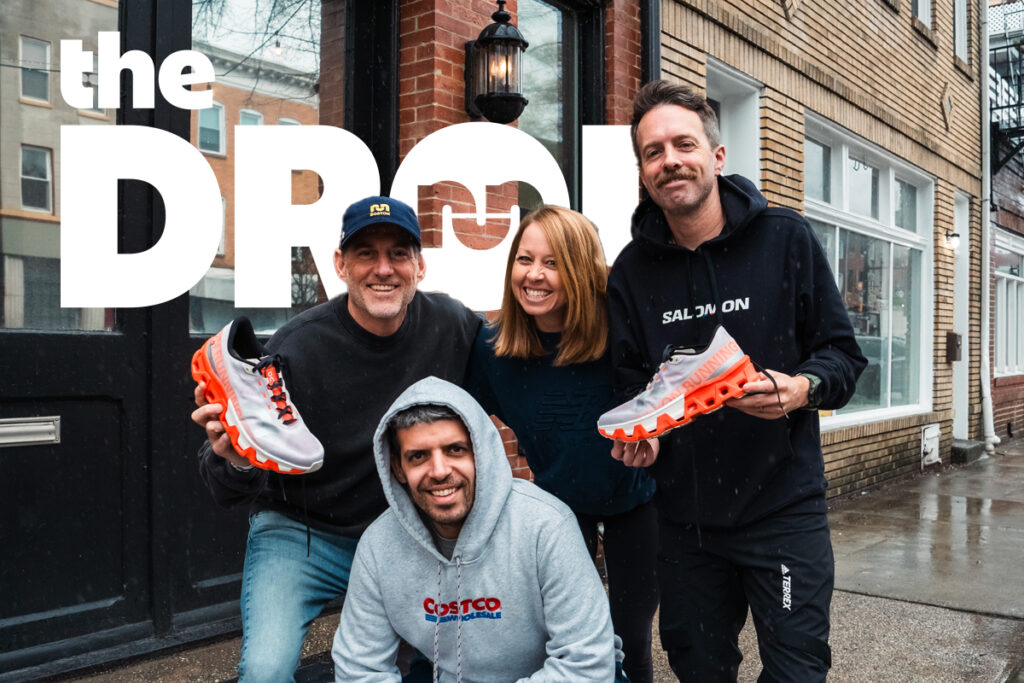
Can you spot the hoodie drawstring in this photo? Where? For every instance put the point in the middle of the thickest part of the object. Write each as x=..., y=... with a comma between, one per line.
x=458, y=620
x=458, y=615
x=437, y=621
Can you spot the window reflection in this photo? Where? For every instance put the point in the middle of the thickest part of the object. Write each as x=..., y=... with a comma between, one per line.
x=267, y=63
x=30, y=159
x=549, y=85
x=817, y=171
x=864, y=264
x=863, y=194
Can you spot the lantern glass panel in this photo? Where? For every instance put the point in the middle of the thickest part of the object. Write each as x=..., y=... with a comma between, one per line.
x=503, y=69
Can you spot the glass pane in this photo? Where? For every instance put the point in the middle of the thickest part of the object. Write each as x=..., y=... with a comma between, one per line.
x=209, y=129
x=1002, y=284
x=35, y=194
x=548, y=83
x=35, y=84
x=29, y=156
x=864, y=278
x=862, y=188
x=35, y=60
x=906, y=206
x=826, y=234
x=906, y=335
x=817, y=171
x=1006, y=261
x=35, y=163
x=272, y=52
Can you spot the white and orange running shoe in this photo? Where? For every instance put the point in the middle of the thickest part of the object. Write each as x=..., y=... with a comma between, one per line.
x=689, y=383
x=264, y=426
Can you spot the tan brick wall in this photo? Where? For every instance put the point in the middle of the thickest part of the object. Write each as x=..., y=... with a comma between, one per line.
x=868, y=68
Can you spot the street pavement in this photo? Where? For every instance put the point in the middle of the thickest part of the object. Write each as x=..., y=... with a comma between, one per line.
x=929, y=587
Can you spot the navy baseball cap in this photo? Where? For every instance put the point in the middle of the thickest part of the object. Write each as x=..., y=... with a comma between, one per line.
x=379, y=211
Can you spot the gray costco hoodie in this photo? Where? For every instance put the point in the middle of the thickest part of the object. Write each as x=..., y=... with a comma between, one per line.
x=519, y=600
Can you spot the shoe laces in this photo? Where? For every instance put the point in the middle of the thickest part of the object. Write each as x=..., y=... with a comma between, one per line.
x=672, y=354
x=270, y=368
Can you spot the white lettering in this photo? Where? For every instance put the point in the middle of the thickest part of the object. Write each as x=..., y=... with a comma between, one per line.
x=453, y=154
x=268, y=225
x=76, y=62
x=93, y=273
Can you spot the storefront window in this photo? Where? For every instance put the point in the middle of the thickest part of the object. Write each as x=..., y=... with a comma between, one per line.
x=266, y=59
x=878, y=261
x=1008, y=264
x=549, y=83
x=33, y=112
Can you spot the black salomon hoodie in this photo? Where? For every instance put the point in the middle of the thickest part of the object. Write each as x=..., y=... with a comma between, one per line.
x=766, y=278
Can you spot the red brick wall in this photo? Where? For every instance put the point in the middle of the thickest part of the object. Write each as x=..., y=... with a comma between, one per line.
x=622, y=50
x=305, y=189
x=332, y=63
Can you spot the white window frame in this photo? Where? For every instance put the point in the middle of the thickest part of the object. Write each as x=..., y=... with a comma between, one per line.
x=223, y=224
x=960, y=39
x=286, y=121
x=221, y=147
x=739, y=99
x=45, y=68
x=48, y=179
x=922, y=9
x=250, y=112
x=837, y=213
x=1008, y=339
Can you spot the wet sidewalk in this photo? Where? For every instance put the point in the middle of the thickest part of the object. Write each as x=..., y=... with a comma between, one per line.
x=929, y=577
x=929, y=587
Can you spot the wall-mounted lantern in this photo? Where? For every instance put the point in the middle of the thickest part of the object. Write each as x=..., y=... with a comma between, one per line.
x=953, y=240
x=494, y=78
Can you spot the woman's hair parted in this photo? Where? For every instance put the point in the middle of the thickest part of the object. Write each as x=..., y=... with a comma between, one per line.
x=579, y=260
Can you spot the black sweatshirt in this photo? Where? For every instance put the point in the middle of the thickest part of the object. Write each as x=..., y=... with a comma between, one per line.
x=766, y=278
x=343, y=379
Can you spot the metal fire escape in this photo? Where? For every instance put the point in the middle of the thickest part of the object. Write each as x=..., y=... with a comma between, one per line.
x=1006, y=81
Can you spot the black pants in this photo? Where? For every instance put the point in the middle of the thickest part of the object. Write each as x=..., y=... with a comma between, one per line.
x=781, y=567
x=630, y=553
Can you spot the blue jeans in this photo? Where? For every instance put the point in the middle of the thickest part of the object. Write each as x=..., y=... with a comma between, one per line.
x=283, y=590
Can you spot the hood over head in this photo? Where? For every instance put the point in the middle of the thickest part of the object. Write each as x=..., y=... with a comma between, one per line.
x=741, y=202
x=493, y=474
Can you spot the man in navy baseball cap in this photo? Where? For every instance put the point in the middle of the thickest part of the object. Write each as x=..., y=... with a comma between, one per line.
x=376, y=211
x=347, y=359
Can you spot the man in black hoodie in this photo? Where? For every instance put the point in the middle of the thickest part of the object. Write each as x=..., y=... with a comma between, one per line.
x=741, y=491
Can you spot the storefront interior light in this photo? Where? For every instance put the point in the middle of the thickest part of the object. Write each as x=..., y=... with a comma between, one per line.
x=494, y=80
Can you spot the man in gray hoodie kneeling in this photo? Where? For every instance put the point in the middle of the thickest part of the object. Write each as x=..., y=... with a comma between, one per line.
x=485, y=575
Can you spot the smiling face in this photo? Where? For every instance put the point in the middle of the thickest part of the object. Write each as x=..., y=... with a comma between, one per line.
x=436, y=463
x=678, y=166
x=535, y=282
x=381, y=268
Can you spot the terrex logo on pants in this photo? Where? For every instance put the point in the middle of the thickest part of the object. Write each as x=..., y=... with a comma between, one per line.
x=787, y=593
x=474, y=608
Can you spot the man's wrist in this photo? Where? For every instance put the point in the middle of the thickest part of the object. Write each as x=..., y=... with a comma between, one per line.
x=813, y=390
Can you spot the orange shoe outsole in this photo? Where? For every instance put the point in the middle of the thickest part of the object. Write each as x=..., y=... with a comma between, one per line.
x=215, y=393
x=705, y=399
